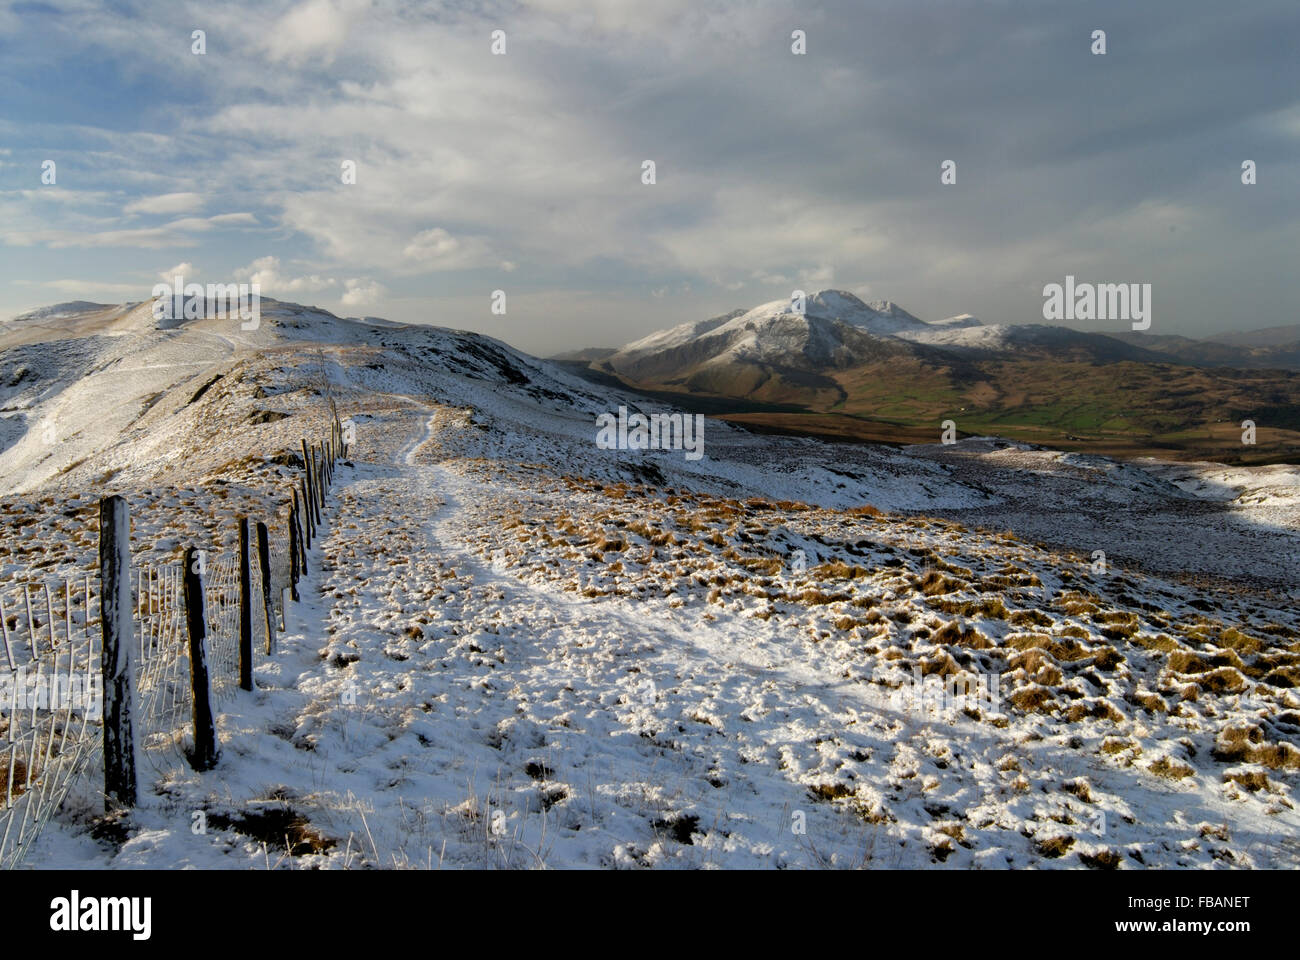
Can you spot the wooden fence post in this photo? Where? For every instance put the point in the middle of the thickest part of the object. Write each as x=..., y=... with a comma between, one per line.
x=310, y=494
x=117, y=651
x=319, y=463
x=303, y=542
x=245, y=609
x=318, y=495
x=293, y=548
x=205, y=730
x=264, y=564
x=305, y=520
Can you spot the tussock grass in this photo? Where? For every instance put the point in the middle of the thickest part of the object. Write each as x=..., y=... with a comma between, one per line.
x=1055, y=847
x=1106, y=859
x=1222, y=680
x=1094, y=709
x=1151, y=702
x=1252, y=780
x=961, y=635
x=1170, y=768
x=1029, y=618
x=934, y=584
x=1234, y=639
x=1033, y=699
x=1184, y=661
x=991, y=608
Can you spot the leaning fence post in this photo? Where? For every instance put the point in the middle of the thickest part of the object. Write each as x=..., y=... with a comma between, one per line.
x=245, y=610
x=304, y=521
x=303, y=542
x=309, y=471
x=293, y=550
x=116, y=659
x=319, y=467
x=264, y=564
x=205, y=730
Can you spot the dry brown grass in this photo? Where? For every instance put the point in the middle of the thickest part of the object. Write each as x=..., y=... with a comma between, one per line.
x=1054, y=847
x=934, y=584
x=1244, y=743
x=941, y=663
x=1151, y=702
x=1222, y=680
x=991, y=608
x=1101, y=860
x=1076, y=603
x=1170, y=768
x=1033, y=699
x=1094, y=709
x=1029, y=618
x=1252, y=780
x=830, y=791
x=1184, y=661
x=1234, y=639
x=1080, y=788
x=1107, y=659
x=961, y=635
x=1160, y=642
x=839, y=570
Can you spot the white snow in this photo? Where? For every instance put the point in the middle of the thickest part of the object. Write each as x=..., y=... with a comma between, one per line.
x=516, y=649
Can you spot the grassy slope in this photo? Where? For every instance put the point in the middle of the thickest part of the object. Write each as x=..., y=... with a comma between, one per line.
x=1124, y=408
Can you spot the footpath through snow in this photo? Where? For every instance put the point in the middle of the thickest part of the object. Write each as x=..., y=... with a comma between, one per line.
x=436, y=701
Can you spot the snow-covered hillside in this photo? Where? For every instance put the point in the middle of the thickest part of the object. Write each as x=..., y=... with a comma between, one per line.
x=828, y=334
x=561, y=655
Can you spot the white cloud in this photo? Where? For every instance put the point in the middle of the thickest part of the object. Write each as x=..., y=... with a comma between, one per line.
x=165, y=203
x=89, y=289
x=230, y=219
x=436, y=249
x=361, y=292
x=265, y=272
x=315, y=29
x=185, y=270
x=178, y=233
x=818, y=275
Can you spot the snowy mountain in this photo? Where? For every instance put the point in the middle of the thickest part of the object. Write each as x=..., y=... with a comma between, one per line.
x=838, y=330
x=58, y=311
x=772, y=332
x=772, y=351
x=976, y=340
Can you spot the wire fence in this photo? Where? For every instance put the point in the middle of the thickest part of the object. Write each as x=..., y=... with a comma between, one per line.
x=49, y=721
x=51, y=724
x=56, y=719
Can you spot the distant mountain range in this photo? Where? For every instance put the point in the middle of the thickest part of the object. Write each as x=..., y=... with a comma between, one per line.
x=872, y=370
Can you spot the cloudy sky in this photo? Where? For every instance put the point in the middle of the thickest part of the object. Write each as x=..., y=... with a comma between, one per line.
x=522, y=172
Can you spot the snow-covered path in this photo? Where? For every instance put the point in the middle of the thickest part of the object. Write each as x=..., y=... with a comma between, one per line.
x=437, y=701
x=456, y=701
